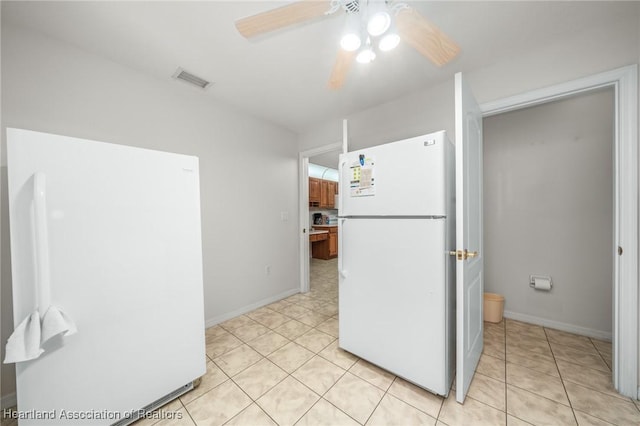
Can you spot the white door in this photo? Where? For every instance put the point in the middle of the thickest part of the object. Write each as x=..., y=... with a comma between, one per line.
x=469, y=269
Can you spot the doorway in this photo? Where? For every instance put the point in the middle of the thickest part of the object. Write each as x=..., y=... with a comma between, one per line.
x=323, y=223
x=548, y=211
x=321, y=154
x=625, y=209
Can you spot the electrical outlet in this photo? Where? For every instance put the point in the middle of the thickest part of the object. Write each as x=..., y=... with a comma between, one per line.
x=267, y=270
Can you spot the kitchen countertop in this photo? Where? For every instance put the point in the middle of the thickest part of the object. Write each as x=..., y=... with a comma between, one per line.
x=313, y=232
x=325, y=226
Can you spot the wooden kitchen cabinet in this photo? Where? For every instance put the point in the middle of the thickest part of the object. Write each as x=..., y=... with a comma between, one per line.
x=333, y=190
x=329, y=250
x=333, y=242
x=314, y=192
x=318, y=237
x=328, y=191
x=322, y=193
x=326, y=194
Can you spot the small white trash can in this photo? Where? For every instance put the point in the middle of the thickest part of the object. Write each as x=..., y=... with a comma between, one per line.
x=493, y=307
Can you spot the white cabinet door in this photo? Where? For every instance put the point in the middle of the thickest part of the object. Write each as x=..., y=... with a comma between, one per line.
x=469, y=270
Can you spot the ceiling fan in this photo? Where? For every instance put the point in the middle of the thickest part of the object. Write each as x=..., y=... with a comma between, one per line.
x=370, y=24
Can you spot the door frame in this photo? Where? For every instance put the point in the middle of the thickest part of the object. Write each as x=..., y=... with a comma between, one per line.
x=303, y=212
x=624, y=81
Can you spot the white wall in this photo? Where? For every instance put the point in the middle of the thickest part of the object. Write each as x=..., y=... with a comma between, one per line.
x=419, y=113
x=248, y=168
x=548, y=210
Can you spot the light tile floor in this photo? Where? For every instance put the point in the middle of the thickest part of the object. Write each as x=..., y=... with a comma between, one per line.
x=280, y=365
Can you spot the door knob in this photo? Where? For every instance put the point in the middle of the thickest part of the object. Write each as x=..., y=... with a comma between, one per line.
x=471, y=254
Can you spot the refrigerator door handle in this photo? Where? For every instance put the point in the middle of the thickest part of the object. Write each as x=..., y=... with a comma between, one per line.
x=54, y=320
x=43, y=284
x=341, y=190
x=341, y=271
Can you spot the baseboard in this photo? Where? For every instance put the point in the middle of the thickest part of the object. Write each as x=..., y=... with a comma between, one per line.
x=8, y=401
x=570, y=328
x=248, y=308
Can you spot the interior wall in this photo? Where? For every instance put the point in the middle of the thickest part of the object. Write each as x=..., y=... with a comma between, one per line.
x=415, y=114
x=248, y=167
x=548, y=210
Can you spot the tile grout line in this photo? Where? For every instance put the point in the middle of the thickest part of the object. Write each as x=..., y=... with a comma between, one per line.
x=600, y=354
x=555, y=361
x=527, y=390
x=246, y=368
x=188, y=413
x=322, y=397
x=441, y=406
x=506, y=407
x=254, y=401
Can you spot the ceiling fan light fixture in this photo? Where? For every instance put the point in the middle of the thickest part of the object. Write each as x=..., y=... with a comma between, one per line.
x=379, y=23
x=389, y=42
x=350, y=42
x=366, y=55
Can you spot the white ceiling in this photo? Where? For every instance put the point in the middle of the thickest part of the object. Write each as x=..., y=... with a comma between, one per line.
x=282, y=77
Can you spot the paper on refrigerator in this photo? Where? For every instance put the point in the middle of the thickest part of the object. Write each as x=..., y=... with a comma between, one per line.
x=362, y=182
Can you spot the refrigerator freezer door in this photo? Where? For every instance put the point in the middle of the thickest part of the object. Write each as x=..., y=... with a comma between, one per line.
x=125, y=263
x=404, y=178
x=392, y=296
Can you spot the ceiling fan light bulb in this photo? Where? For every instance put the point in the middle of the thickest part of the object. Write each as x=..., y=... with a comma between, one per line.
x=378, y=23
x=350, y=42
x=366, y=56
x=389, y=42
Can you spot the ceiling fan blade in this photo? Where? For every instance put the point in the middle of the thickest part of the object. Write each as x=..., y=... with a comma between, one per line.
x=280, y=17
x=340, y=69
x=425, y=37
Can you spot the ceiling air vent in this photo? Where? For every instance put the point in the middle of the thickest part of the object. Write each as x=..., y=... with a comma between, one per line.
x=352, y=6
x=183, y=75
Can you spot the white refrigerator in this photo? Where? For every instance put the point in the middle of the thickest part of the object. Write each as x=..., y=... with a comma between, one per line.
x=109, y=236
x=396, y=278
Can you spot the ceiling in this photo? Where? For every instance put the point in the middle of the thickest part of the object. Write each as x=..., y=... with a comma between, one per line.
x=282, y=77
